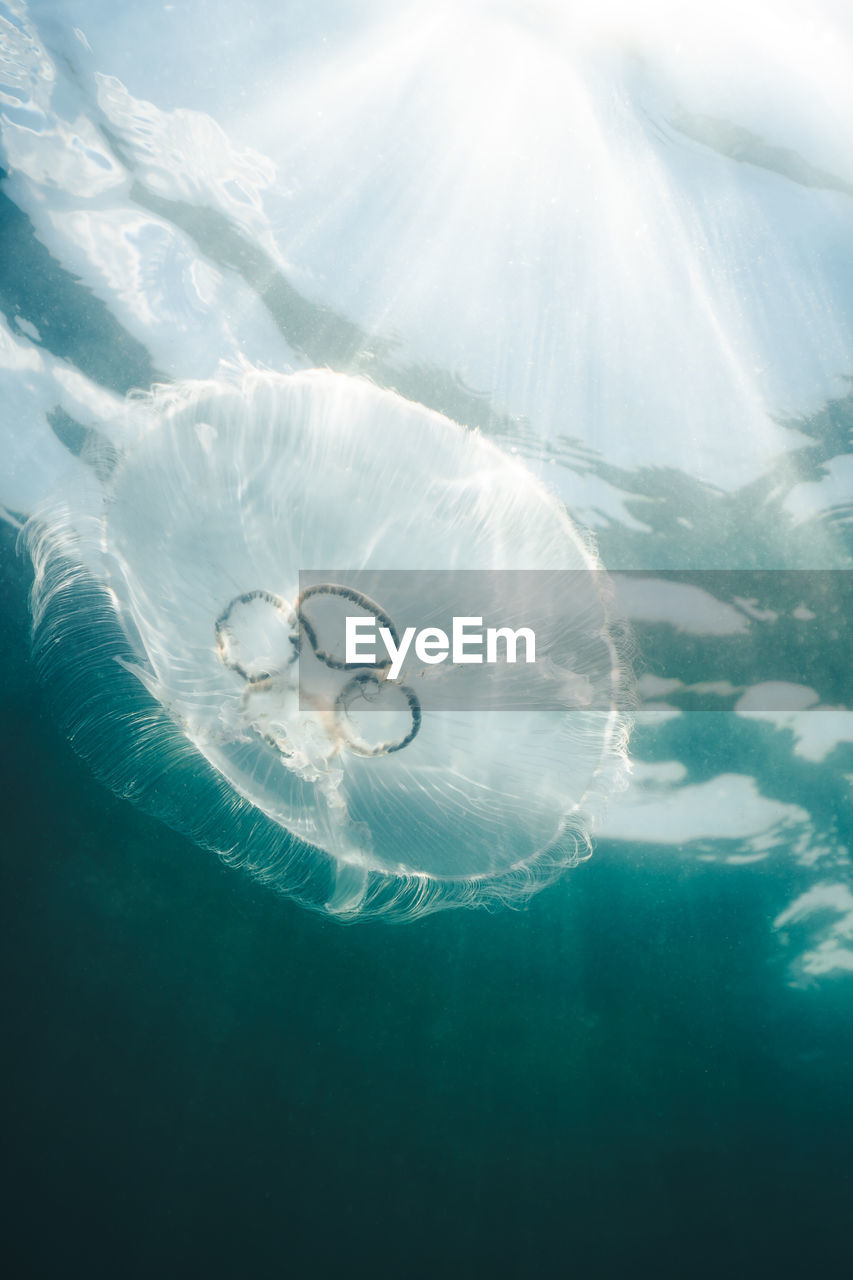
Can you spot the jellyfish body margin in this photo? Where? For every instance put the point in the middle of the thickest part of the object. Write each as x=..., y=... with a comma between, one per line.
x=166, y=623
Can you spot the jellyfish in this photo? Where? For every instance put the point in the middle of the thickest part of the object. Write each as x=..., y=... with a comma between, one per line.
x=191, y=665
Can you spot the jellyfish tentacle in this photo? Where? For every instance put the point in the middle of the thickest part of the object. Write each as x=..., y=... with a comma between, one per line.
x=359, y=685
x=225, y=638
x=354, y=597
x=265, y=681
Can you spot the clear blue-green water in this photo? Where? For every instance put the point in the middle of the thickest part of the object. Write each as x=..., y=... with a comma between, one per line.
x=201, y=1078
x=646, y=1067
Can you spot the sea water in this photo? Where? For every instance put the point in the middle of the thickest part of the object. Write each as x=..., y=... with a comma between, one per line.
x=620, y=248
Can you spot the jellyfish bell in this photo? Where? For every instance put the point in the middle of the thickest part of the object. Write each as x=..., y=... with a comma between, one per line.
x=193, y=671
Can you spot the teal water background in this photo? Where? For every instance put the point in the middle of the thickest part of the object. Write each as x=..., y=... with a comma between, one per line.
x=202, y=1078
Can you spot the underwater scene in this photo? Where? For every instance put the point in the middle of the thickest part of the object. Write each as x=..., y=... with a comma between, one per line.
x=426, y=707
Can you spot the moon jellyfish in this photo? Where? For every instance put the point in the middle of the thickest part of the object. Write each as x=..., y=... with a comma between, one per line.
x=170, y=623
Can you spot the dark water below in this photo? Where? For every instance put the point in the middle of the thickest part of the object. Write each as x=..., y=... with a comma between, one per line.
x=203, y=1079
